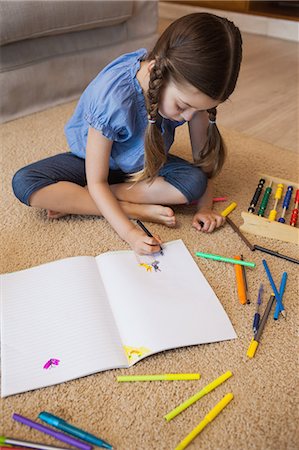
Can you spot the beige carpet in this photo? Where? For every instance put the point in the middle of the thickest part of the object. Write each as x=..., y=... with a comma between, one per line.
x=264, y=412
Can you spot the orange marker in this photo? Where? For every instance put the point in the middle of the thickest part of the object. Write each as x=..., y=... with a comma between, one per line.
x=240, y=282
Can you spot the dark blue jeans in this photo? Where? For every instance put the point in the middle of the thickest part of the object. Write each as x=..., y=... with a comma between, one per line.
x=187, y=178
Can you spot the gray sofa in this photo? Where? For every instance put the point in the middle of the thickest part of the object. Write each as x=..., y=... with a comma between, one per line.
x=50, y=50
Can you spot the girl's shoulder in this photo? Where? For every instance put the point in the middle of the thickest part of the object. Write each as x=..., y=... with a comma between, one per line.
x=112, y=102
x=117, y=79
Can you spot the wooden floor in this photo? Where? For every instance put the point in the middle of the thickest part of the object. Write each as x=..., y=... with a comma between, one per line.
x=265, y=102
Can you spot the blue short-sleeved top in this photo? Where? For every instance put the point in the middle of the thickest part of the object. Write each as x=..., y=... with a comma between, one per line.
x=114, y=104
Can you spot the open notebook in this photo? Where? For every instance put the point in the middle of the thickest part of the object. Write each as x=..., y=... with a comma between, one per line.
x=78, y=316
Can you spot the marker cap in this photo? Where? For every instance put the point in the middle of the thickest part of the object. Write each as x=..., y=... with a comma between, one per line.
x=252, y=348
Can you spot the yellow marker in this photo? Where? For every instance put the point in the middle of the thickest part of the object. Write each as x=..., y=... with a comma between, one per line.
x=256, y=339
x=165, y=377
x=252, y=348
x=229, y=209
x=208, y=388
x=278, y=195
x=208, y=418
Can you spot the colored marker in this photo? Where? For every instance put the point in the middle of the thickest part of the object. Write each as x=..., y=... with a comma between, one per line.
x=240, y=282
x=278, y=255
x=60, y=436
x=277, y=295
x=224, y=259
x=165, y=377
x=256, y=317
x=143, y=227
x=245, y=281
x=74, y=431
x=18, y=443
x=208, y=418
x=208, y=388
x=219, y=199
x=16, y=448
x=215, y=199
x=256, y=339
x=281, y=292
x=229, y=209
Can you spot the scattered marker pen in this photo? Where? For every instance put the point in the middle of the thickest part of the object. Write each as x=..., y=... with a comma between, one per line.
x=62, y=425
x=224, y=259
x=281, y=292
x=164, y=377
x=276, y=293
x=204, y=391
x=56, y=434
x=22, y=444
x=207, y=419
x=256, y=317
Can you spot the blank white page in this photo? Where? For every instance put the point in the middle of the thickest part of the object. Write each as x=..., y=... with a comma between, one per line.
x=57, y=310
x=159, y=310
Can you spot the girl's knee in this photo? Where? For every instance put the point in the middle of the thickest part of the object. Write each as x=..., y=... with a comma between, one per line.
x=197, y=184
x=22, y=184
x=194, y=185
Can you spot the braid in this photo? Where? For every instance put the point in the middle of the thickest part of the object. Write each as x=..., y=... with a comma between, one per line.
x=154, y=152
x=213, y=153
x=154, y=88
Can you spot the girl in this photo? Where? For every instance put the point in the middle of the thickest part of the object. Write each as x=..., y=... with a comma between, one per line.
x=124, y=125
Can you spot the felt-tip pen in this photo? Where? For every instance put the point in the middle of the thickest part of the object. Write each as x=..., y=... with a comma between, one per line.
x=7, y=442
x=74, y=431
x=149, y=234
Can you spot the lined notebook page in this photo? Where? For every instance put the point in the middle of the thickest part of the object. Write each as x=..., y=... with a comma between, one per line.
x=166, y=309
x=56, y=311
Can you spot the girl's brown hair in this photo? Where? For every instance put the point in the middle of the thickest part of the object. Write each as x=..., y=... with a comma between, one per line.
x=205, y=51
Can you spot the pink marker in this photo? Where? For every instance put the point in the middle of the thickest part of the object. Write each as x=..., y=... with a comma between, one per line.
x=219, y=199
x=215, y=199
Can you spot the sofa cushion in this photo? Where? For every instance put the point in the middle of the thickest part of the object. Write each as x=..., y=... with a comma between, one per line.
x=32, y=51
x=21, y=20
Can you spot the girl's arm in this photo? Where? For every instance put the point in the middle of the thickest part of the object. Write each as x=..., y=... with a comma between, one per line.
x=205, y=218
x=98, y=152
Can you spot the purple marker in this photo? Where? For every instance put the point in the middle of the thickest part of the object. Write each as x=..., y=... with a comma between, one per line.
x=56, y=434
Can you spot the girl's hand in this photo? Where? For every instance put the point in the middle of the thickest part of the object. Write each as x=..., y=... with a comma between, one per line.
x=143, y=244
x=207, y=220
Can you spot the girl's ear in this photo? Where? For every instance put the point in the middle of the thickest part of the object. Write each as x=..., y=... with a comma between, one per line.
x=151, y=65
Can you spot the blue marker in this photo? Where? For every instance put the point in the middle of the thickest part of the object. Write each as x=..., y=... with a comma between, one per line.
x=70, y=429
x=281, y=292
x=276, y=293
x=256, y=317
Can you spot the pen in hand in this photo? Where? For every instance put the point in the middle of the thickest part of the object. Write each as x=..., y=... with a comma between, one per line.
x=148, y=233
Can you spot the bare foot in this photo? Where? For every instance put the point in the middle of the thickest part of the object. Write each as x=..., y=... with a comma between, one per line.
x=150, y=213
x=54, y=214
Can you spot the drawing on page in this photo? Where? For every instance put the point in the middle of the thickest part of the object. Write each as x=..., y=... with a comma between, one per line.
x=135, y=353
x=150, y=265
x=155, y=265
x=51, y=363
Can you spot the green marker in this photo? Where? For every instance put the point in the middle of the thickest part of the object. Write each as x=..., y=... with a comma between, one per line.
x=224, y=259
